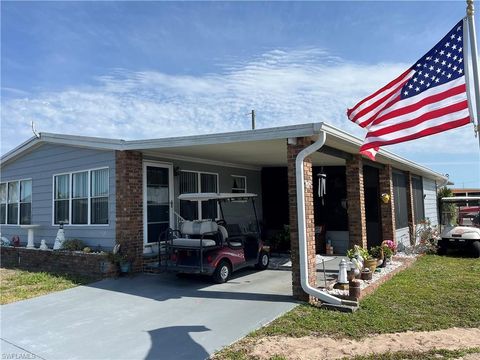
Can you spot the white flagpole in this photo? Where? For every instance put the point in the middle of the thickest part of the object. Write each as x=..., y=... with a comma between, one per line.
x=473, y=47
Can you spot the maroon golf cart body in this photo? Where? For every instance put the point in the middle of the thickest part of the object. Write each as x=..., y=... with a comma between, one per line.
x=206, y=247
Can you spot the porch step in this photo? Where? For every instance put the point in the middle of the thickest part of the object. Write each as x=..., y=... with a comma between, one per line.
x=152, y=268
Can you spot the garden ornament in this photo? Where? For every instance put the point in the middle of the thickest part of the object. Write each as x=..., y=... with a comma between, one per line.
x=385, y=198
x=60, y=237
x=342, y=273
x=16, y=240
x=43, y=245
x=4, y=241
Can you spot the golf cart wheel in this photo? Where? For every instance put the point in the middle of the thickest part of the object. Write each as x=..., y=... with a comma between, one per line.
x=442, y=248
x=222, y=272
x=263, y=260
x=476, y=249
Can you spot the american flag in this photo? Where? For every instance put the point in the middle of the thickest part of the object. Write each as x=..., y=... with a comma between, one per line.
x=428, y=98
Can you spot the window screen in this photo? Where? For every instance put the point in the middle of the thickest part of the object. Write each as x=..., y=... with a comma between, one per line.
x=418, y=204
x=400, y=200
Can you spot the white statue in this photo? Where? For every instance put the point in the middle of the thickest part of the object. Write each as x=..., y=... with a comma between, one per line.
x=60, y=238
x=43, y=245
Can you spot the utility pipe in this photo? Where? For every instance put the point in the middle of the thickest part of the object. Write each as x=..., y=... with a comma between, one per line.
x=302, y=231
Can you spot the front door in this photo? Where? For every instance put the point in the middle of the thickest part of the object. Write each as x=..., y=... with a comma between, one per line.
x=157, y=200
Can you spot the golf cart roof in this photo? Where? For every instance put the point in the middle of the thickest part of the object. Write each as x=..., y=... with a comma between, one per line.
x=216, y=196
x=461, y=198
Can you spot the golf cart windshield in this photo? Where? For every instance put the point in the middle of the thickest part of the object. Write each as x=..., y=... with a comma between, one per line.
x=460, y=210
x=222, y=198
x=216, y=196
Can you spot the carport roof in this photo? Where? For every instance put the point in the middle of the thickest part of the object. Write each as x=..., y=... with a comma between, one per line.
x=249, y=148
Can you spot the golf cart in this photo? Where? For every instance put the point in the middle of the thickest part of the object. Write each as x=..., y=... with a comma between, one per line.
x=460, y=223
x=207, y=247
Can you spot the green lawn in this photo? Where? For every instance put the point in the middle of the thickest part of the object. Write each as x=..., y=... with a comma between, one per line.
x=435, y=293
x=18, y=285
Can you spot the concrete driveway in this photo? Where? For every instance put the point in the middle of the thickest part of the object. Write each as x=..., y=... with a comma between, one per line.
x=144, y=317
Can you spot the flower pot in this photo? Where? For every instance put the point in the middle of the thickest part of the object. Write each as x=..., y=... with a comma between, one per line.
x=125, y=267
x=371, y=264
x=367, y=275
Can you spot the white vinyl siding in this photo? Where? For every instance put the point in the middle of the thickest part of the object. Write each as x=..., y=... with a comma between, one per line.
x=430, y=201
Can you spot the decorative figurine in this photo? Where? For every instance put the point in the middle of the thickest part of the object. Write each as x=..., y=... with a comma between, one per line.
x=43, y=245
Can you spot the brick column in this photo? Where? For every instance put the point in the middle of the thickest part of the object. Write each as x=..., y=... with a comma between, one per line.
x=129, y=205
x=292, y=152
x=387, y=210
x=357, y=223
x=410, y=207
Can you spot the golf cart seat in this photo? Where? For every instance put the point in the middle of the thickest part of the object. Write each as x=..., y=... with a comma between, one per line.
x=234, y=242
x=197, y=234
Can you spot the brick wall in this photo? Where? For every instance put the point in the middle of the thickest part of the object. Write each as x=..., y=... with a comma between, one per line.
x=57, y=262
x=129, y=205
x=387, y=210
x=357, y=225
x=292, y=152
x=410, y=207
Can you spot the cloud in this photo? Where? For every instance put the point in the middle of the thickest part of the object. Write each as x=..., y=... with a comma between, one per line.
x=284, y=87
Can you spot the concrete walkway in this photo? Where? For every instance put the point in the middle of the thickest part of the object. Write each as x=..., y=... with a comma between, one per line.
x=144, y=317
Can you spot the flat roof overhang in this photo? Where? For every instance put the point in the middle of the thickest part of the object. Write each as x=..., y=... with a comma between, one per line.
x=250, y=148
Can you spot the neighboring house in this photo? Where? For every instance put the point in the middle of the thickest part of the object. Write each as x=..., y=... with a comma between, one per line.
x=107, y=190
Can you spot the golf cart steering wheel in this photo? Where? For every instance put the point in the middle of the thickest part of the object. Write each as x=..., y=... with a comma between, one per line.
x=221, y=222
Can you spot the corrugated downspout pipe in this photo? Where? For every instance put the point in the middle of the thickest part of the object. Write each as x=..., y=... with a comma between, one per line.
x=302, y=231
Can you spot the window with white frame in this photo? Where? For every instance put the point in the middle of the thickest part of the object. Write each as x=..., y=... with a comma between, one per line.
x=81, y=198
x=16, y=202
x=239, y=184
x=198, y=182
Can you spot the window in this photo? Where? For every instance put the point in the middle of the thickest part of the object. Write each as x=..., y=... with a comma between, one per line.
x=400, y=200
x=193, y=182
x=239, y=184
x=16, y=202
x=418, y=203
x=81, y=198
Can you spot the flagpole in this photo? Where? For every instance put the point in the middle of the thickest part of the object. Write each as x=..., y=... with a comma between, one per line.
x=473, y=47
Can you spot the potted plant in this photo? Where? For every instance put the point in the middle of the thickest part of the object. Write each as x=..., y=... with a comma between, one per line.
x=123, y=259
x=376, y=252
x=387, y=253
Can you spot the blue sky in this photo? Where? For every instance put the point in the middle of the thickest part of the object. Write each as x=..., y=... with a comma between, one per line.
x=154, y=69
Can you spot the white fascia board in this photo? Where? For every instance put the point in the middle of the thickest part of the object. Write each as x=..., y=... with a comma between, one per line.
x=384, y=156
x=71, y=140
x=283, y=132
x=83, y=141
x=26, y=145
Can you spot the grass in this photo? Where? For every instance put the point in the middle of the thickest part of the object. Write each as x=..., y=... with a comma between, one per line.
x=18, y=285
x=435, y=293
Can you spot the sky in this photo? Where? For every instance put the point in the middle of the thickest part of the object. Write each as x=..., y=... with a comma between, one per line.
x=136, y=70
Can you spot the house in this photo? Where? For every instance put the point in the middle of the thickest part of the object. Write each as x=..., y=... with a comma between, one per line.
x=108, y=190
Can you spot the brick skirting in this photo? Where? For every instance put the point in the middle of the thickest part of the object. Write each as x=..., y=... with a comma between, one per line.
x=58, y=262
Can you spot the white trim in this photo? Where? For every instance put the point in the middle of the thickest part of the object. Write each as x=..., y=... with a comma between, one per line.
x=201, y=161
x=285, y=132
x=171, y=193
x=71, y=198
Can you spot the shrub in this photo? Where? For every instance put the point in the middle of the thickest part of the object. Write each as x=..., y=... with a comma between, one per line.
x=73, y=245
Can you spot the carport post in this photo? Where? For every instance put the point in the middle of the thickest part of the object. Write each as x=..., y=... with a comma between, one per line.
x=294, y=146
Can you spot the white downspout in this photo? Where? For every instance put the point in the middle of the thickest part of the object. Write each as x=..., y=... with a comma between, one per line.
x=302, y=231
